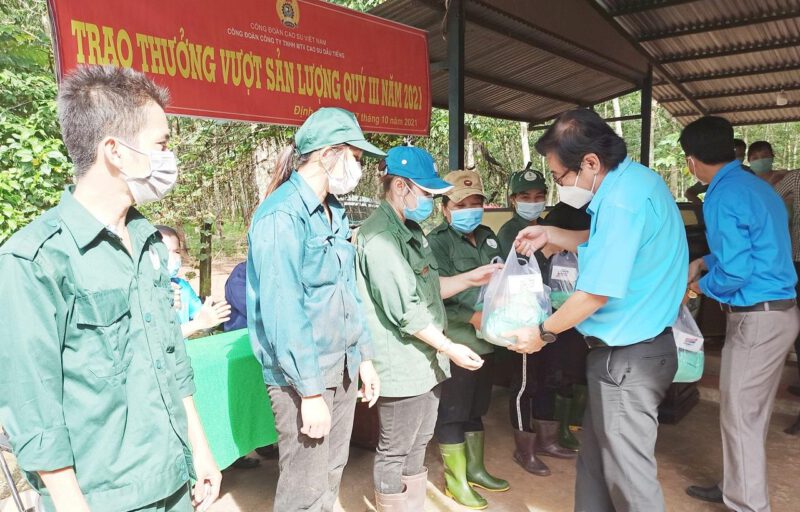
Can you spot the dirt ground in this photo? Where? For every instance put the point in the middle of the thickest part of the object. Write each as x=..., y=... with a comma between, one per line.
x=688, y=453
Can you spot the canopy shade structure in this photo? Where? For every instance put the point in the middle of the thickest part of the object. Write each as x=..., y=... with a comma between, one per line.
x=733, y=58
x=525, y=60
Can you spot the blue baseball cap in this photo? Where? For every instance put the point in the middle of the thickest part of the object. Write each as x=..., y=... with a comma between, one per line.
x=417, y=165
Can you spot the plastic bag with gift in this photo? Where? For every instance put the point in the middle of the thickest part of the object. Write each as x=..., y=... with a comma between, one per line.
x=515, y=297
x=563, y=276
x=689, y=341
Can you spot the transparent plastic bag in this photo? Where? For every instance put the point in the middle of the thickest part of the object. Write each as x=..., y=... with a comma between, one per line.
x=563, y=276
x=515, y=297
x=689, y=341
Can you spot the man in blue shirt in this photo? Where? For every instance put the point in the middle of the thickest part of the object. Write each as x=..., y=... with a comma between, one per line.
x=631, y=282
x=750, y=272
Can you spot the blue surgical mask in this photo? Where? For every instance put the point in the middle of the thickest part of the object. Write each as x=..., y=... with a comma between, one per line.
x=530, y=211
x=465, y=221
x=423, y=210
x=762, y=165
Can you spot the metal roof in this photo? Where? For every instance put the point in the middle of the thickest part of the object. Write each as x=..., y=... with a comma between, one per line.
x=527, y=60
x=730, y=57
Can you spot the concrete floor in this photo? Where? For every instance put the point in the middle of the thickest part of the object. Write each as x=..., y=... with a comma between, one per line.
x=688, y=453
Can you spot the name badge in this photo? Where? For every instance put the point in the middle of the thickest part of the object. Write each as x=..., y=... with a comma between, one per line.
x=492, y=243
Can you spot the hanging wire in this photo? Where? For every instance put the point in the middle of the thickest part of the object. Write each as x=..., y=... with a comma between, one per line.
x=522, y=390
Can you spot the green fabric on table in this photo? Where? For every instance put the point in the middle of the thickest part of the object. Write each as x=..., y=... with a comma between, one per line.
x=231, y=396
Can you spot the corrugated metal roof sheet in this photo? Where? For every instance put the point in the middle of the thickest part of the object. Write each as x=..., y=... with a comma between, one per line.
x=515, y=66
x=723, y=52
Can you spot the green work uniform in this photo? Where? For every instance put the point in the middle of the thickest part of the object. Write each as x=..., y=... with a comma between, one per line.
x=509, y=231
x=456, y=255
x=94, y=368
x=398, y=279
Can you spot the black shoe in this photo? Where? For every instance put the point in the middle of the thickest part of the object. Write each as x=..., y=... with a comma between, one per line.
x=246, y=463
x=711, y=494
x=795, y=390
x=268, y=452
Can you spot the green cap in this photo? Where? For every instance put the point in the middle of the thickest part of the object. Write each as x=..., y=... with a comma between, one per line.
x=526, y=179
x=330, y=126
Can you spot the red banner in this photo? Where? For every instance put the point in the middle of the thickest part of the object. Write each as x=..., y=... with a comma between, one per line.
x=270, y=61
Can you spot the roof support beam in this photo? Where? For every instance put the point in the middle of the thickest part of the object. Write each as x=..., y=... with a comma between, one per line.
x=647, y=117
x=746, y=108
x=712, y=53
x=767, y=121
x=455, y=80
x=516, y=86
x=730, y=93
x=713, y=25
x=632, y=117
x=657, y=68
x=635, y=7
x=540, y=45
x=734, y=73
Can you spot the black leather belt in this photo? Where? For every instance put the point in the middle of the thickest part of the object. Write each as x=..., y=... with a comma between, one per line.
x=770, y=305
x=593, y=342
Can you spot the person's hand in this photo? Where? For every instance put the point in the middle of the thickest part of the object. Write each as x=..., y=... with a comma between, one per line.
x=694, y=287
x=475, y=320
x=695, y=268
x=528, y=340
x=212, y=314
x=463, y=356
x=176, y=293
x=531, y=239
x=481, y=275
x=316, y=417
x=370, y=383
x=209, y=479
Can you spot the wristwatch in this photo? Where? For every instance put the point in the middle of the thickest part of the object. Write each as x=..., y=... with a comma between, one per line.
x=547, y=336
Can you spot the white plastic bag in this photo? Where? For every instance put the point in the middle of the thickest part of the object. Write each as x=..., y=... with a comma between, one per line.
x=689, y=341
x=563, y=276
x=515, y=297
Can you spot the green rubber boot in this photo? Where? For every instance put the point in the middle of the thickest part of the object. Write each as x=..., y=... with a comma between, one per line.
x=578, y=405
x=456, y=486
x=565, y=436
x=477, y=476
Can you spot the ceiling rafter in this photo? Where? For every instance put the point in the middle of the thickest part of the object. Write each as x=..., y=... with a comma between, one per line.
x=722, y=24
x=636, y=7
x=739, y=49
x=730, y=93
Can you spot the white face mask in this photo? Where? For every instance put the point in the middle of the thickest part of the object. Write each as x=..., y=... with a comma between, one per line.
x=174, y=265
x=162, y=178
x=576, y=196
x=351, y=175
x=530, y=211
x=693, y=172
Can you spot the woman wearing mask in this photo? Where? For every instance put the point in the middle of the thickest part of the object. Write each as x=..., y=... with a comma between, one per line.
x=194, y=315
x=461, y=244
x=399, y=279
x=552, y=392
x=304, y=315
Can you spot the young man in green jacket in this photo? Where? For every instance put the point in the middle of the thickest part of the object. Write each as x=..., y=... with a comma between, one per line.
x=95, y=384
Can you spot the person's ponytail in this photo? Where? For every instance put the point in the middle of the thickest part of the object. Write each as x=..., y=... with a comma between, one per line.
x=283, y=169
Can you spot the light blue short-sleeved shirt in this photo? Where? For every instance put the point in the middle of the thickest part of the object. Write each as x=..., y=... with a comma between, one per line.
x=636, y=255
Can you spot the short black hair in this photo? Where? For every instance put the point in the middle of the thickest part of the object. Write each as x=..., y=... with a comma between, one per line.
x=758, y=146
x=709, y=139
x=98, y=101
x=578, y=132
x=739, y=143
